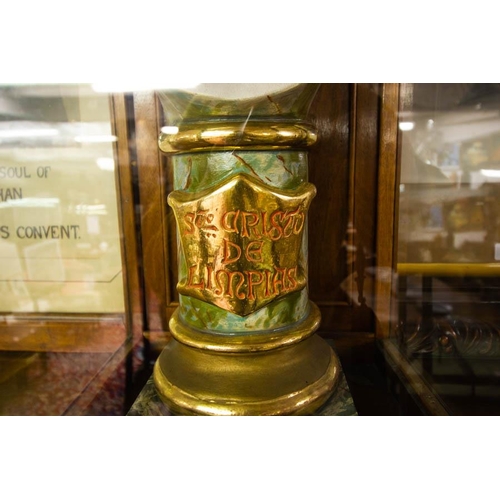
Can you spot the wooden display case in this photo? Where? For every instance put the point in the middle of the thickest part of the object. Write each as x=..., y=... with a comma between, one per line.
x=362, y=264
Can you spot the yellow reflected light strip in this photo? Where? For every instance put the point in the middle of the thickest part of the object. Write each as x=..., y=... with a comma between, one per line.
x=447, y=269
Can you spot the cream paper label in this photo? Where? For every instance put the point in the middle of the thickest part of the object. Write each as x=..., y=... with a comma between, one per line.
x=59, y=230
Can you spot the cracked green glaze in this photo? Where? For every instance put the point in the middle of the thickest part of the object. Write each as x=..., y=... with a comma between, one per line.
x=277, y=314
x=199, y=171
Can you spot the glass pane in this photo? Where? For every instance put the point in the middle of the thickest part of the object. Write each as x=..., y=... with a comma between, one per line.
x=448, y=259
x=62, y=315
x=59, y=235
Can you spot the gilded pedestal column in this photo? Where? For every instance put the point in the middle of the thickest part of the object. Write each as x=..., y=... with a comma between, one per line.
x=243, y=334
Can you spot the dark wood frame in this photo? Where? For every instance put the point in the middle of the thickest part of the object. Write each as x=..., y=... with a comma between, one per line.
x=388, y=181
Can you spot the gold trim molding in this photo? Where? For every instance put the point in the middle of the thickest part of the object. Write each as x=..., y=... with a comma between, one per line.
x=217, y=136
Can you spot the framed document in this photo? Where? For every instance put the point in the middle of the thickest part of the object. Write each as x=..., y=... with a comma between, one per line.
x=61, y=253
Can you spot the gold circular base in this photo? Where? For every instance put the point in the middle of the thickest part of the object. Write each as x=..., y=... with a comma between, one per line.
x=292, y=380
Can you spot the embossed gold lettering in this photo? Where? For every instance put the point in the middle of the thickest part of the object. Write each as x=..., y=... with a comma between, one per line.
x=276, y=232
x=251, y=283
x=248, y=284
x=242, y=244
x=249, y=220
x=289, y=218
x=239, y=294
x=253, y=251
x=231, y=288
x=230, y=225
x=260, y=225
x=189, y=219
x=291, y=275
x=267, y=292
x=226, y=252
x=301, y=220
x=200, y=218
x=191, y=283
x=210, y=272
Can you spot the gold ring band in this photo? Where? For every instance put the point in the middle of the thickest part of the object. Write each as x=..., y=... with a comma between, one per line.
x=238, y=135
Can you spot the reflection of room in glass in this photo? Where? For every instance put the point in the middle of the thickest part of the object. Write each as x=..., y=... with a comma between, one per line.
x=56, y=148
x=449, y=233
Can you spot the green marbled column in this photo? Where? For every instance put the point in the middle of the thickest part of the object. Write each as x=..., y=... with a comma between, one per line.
x=278, y=169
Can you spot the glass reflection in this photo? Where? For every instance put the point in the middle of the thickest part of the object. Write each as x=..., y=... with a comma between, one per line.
x=62, y=328
x=449, y=242
x=59, y=239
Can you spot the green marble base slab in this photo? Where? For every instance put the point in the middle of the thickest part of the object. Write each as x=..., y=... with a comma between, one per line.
x=149, y=404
